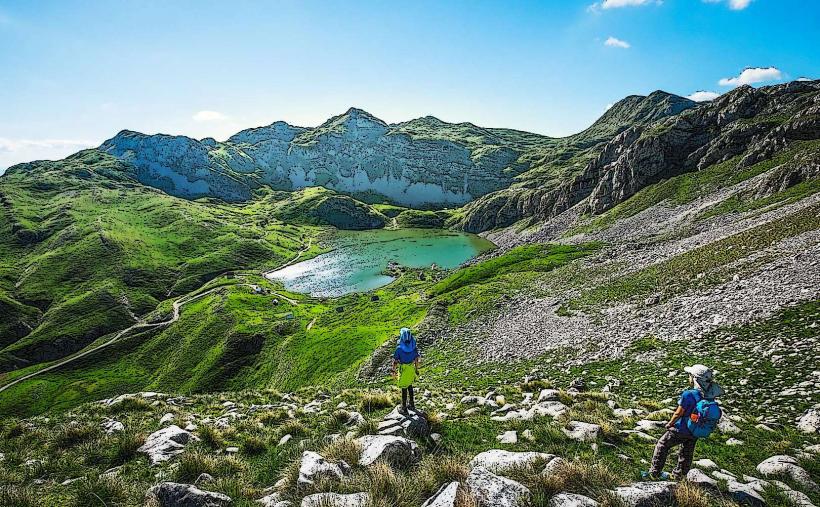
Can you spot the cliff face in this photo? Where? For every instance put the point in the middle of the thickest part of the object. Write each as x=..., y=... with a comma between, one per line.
x=353, y=153
x=748, y=122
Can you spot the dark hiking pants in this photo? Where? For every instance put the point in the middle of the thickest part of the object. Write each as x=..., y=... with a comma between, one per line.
x=404, y=393
x=669, y=440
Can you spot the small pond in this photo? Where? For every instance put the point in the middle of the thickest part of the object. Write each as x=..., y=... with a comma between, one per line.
x=359, y=258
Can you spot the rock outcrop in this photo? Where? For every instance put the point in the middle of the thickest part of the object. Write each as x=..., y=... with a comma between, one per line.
x=753, y=124
x=172, y=494
x=417, y=163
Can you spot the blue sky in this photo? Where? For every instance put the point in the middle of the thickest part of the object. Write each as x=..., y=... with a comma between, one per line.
x=76, y=72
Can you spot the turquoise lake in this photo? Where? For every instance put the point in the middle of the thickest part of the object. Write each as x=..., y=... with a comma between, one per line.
x=359, y=258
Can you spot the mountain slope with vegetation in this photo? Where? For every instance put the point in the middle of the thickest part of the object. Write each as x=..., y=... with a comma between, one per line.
x=667, y=234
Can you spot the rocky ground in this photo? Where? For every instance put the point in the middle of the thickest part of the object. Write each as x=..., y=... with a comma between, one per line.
x=522, y=444
x=749, y=289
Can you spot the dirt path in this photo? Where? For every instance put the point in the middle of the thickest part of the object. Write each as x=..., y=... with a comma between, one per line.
x=311, y=323
x=141, y=324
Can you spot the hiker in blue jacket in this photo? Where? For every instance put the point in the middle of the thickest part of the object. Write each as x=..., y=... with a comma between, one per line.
x=697, y=412
x=406, y=367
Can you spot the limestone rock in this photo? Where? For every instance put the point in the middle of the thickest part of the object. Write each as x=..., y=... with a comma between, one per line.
x=647, y=494
x=172, y=494
x=490, y=489
x=572, y=500
x=582, y=431
x=508, y=437
x=336, y=500
x=696, y=476
x=166, y=443
x=444, y=497
x=314, y=467
x=810, y=421
x=786, y=465
x=499, y=460
x=397, y=451
x=112, y=426
x=413, y=425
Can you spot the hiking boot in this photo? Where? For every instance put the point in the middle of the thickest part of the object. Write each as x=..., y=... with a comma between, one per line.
x=646, y=476
x=403, y=410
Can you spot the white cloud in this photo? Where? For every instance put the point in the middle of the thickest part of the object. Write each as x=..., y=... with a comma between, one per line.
x=209, y=116
x=751, y=75
x=804, y=79
x=10, y=145
x=735, y=5
x=739, y=5
x=615, y=4
x=616, y=43
x=703, y=96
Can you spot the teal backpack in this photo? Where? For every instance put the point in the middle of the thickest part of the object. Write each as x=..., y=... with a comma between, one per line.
x=704, y=418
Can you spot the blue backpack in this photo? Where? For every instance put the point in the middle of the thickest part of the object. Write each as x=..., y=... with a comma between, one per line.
x=704, y=418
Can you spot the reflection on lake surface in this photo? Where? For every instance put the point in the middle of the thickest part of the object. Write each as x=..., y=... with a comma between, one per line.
x=359, y=258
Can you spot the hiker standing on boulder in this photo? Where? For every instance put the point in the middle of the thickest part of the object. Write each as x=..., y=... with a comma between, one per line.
x=406, y=367
x=696, y=416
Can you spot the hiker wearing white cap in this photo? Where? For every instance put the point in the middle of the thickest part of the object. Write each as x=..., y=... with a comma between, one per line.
x=696, y=416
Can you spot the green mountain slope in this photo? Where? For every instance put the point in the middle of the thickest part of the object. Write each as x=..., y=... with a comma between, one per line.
x=89, y=250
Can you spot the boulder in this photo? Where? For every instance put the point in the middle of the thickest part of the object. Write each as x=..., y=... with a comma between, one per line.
x=548, y=408
x=646, y=494
x=508, y=437
x=273, y=500
x=706, y=464
x=572, y=500
x=744, y=494
x=413, y=425
x=549, y=395
x=499, y=460
x=166, y=443
x=727, y=427
x=397, y=451
x=809, y=422
x=696, y=476
x=336, y=500
x=786, y=465
x=581, y=431
x=490, y=489
x=444, y=497
x=314, y=467
x=112, y=426
x=172, y=494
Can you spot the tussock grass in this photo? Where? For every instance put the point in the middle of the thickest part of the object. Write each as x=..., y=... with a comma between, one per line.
x=210, y=436
x=105, y=490
x=194, y=463
x=434, y=471
x=342, y=450
x=372, y=401
x=18, y=496
x=254, y=445
x=131, y=404
x=292, y=427
x=272, y=417
x=690, y=495
x=69, y=435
